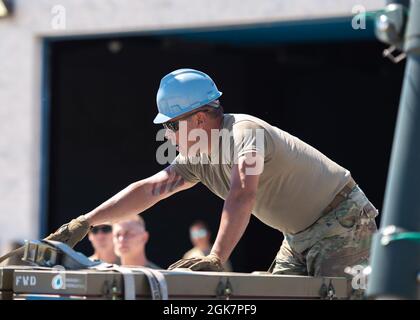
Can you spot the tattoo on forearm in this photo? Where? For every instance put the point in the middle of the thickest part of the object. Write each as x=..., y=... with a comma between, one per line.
x=174, y=181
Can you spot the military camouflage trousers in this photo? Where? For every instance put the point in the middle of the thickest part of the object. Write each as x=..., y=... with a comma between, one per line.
x=338, y=240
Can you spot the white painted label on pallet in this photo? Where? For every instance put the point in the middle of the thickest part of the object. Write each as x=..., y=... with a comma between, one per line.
x=26, y=281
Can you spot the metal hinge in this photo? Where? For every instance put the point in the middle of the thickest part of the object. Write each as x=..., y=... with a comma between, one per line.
x=224, y=289
x=327, y=292
x=390, y=54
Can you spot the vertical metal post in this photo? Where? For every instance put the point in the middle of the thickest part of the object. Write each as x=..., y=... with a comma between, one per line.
x=395, y=264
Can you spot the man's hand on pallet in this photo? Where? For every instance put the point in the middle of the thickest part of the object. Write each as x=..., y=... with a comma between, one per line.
x=207, y=263
x=71, y=233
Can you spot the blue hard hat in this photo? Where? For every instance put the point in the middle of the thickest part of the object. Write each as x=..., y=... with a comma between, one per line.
x=182, y=91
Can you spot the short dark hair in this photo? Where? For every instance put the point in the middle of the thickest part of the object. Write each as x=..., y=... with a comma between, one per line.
x=200, y=223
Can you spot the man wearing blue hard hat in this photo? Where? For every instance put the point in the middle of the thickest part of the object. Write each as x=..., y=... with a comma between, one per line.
x=257, y=168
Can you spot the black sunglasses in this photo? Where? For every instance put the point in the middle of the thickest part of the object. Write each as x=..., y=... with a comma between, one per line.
x=104, y=229
x=174, y=125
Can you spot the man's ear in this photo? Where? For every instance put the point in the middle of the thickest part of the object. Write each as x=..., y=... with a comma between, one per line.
x=199, y=119
x=146, y=236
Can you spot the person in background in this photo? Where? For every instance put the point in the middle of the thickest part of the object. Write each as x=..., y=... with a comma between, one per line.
x=200, y=237
x=130, y=238
x=100, y=237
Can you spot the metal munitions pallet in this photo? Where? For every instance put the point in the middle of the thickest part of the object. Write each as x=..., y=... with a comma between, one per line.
x=32, y=283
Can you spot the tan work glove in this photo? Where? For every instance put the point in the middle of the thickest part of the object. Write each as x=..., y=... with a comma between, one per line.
x=207, y=263
x=71, y=233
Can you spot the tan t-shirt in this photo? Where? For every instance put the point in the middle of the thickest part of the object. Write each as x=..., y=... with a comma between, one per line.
x=298, y=181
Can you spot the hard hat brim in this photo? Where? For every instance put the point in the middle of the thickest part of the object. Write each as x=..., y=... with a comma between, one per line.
x=161, y=118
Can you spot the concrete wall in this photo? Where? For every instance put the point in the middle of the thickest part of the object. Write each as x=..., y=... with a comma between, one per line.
x=20, y=71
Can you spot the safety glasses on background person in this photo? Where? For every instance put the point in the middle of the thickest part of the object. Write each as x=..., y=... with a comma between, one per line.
x=198, y=234
x=103, y=228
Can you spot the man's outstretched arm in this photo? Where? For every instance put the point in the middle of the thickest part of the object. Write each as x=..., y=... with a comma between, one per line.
x=235, y=216
x=237, y=208
x=139, y=196
x=132, y=200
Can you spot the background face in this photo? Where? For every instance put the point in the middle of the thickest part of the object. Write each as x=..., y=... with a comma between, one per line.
x=101, y=240
x=129, y=238
x=104, y=104
x=199, y=241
